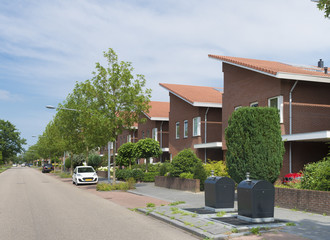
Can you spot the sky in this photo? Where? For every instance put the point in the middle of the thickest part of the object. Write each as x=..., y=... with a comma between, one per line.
x=46, y=46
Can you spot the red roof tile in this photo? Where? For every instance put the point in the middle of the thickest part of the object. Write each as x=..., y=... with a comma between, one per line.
x=158, y=109
x=272, y=67
x=194, y=94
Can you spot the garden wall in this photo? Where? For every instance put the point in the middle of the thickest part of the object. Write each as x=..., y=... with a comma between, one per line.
x=102, y=174
x=184, y=184
x=305, y=200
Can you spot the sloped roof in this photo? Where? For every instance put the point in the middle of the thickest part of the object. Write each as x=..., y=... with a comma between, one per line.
x=197, y=96
x=277, y=69
x=159, y=111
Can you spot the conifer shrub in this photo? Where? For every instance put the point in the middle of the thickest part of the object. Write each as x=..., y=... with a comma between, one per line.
x=254, y=144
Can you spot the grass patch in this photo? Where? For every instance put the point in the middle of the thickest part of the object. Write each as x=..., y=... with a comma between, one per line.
x=65, y=175
x=176, y=203
x=255, y=231
x=4, y=168
x=221, y=214
x=290, y=224
x=124, y=186
x=151, y=205
x=234, y=230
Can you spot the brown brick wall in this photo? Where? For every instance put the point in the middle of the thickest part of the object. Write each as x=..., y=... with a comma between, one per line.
x=305, y=200
x=180, y=111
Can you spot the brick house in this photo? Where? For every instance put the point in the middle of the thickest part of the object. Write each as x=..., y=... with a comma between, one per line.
x=156, y=127
x=195, y=120
x=301, y=94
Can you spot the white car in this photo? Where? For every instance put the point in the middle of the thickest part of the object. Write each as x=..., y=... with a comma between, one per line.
x=84, y=175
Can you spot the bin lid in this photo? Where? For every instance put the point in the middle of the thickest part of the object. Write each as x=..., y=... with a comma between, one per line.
x=220, y=180
x=255, y=184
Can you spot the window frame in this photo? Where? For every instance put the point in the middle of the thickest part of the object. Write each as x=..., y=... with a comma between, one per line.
x=279, y=105
x=254, y=104
x=185, y=129
x=177, y=130
x=197, y=122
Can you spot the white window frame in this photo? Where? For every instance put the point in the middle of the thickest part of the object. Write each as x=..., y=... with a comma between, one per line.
x=129, y=138
x=237, y=107
x=177, y=130
x=185, y=129
x=279, y=105
x=197, y=121
x=253, y=104
x=154, y=134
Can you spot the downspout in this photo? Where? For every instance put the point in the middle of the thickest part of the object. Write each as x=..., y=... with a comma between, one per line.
x=205, y=137
x=290, y=124
x=161, y=140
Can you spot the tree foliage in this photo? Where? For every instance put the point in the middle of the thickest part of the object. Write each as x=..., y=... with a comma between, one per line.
x=324, y=5
x=147, y=148
x=254, y=144
x=10, y=141
x=126, y=154
x=184, y=162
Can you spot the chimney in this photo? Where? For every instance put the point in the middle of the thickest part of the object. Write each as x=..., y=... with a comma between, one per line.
x=326, y=70
x=320, y=64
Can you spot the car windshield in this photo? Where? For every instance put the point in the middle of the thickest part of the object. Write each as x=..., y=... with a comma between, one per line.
x=85, y=170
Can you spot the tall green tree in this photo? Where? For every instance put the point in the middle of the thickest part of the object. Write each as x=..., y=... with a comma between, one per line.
x=324, y=5
x=254, y=144
x=147, y=148
x=10, y=141
x=111, y=101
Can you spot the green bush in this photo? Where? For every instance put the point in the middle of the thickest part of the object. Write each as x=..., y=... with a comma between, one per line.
x=94, y=161
x=78, y=160
x=125, y=174
x=187, y=175
x=67, y=163
x=150, y=176
x=219, y=168
x=200, y=173
x=164, y=168
x=254, y=144
x=138, y=174
x=184, y=162
x=316, y=176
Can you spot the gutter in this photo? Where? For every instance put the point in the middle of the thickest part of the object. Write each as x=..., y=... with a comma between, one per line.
x=290, y=122
x=205, y=136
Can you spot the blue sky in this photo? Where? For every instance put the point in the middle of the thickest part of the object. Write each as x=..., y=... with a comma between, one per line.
x=48, y=45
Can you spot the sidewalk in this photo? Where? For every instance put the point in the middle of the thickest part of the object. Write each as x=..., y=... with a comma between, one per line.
x=308, y=225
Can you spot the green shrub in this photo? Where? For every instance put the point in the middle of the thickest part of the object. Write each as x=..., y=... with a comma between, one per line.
x=316, y=176
x=185, y=161
x=200, y=173
x=164, y=168
x=138, y=174
x=67, y=163
x=124, y=186
x=254, y=144
x=150, y=176
x=78, y=160
x=219, y=168
x=94, y=161
x=187, y=175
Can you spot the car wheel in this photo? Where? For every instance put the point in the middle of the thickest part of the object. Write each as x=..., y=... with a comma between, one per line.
x=76, y=183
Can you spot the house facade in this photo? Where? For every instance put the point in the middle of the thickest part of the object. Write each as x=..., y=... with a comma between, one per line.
x=156, y=126
x=195, y=120
x=300, y=93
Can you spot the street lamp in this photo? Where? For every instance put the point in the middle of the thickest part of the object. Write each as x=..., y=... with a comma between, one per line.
x=70, y=109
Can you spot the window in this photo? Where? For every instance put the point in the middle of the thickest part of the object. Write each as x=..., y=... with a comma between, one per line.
x=277, y=102
x=142, y=134
x=237, y=107
x=177, y=130
x=148, y=133
x=185, y=129
x=254, y=104
x=197, y=126
x=129, y=138
x=154, y=134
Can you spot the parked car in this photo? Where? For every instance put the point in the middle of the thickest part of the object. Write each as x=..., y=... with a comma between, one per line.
x=84, y=175
x=47, y=168
x=292, y=176
x=14, y=165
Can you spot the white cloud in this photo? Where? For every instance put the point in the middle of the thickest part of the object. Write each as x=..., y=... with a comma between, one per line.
x=9, y=97
x=46, y=46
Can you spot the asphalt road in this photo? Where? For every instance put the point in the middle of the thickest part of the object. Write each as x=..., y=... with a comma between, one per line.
x=35, y=206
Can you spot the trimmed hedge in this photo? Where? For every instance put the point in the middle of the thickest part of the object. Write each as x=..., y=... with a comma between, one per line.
x=254, y=144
